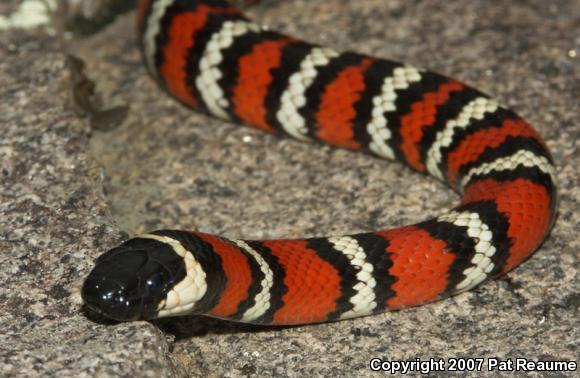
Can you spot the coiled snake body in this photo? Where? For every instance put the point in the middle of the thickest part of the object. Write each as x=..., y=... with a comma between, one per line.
x=212, y=58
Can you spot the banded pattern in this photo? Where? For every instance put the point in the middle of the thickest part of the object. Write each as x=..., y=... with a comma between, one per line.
x=262, y=299
x=363, y=301
x=384, y=103
x=475, y=110
x=481, y=264
x=209, y=56
x=207, y=81
x=294, y=97
x=157, y=10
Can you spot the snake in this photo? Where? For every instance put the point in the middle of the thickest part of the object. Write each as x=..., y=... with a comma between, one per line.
x=212, y=58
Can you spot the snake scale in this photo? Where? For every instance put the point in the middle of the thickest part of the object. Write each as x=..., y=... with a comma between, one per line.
x=212, y=58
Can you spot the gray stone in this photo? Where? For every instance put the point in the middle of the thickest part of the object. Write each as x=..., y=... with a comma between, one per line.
x=69, y=193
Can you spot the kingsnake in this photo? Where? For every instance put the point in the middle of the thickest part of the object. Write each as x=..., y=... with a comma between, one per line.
x=209, y=56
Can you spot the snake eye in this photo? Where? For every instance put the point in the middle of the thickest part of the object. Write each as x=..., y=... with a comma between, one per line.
x=155, y=282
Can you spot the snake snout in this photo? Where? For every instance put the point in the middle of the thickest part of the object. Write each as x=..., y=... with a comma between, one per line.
x=130, y=282
x=111, y=289
x=110, y=299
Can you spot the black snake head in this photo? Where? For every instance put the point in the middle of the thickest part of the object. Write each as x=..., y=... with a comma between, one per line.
x=132, y=281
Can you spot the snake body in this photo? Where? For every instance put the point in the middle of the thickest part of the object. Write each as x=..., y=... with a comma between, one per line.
x=209, y=56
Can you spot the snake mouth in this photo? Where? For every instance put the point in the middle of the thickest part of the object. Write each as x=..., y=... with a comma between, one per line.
x=109, y=298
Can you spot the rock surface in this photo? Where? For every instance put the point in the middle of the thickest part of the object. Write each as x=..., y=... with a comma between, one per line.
x=69, y=193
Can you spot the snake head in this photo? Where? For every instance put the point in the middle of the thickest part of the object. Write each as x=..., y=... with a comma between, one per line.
x=131, y=281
